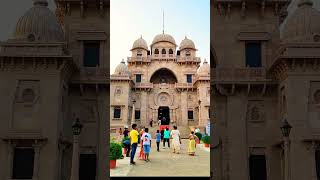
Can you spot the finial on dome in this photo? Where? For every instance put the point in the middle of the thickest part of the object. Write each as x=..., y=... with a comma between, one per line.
x=141, y=36
x=205, y=61
x=40, y=2
x=305, y=2
x=162, y=21
x=123, y=61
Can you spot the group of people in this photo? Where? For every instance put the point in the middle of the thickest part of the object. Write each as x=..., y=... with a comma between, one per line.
x=144, y=138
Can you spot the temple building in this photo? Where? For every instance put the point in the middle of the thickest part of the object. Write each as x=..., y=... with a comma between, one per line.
x=265, y=82
x=53, y=71
x=164, y=81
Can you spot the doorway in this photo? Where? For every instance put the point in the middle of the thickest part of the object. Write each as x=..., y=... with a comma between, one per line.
x=87, y=169
x=164, y=112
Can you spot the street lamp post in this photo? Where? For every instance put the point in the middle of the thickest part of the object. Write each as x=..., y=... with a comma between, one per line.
x=133, y=112
x=76, y=130
x=285, y=129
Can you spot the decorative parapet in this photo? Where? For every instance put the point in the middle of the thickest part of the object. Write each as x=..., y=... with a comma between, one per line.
x=238, y=74
x=23, y=49
x=188, y=60
x=185, y=86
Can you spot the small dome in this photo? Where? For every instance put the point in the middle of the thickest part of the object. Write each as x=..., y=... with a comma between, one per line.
x=140, y=44
x=39, y=24
x=204, y=69
x=163, y=38
x=122, y=69
x=187, y=44
x=303, y=25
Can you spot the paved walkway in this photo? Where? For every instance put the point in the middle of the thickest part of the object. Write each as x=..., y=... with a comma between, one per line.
x=166, y=163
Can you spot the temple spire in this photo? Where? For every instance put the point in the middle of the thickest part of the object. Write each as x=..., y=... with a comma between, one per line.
x=162, y=21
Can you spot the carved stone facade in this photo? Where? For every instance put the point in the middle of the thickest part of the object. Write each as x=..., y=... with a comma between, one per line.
x=45, y=86
x=251, y=101
x=164, y=81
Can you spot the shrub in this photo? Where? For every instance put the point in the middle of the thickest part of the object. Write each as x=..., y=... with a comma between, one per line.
x=199, y=135
x=206, y=139
x=115, y=151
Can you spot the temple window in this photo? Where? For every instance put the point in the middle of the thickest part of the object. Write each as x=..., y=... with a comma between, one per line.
x=91, y=54
x=23, y=163
x=156, y=51
x=253, y=54
x=117, y=112
x=163, y=51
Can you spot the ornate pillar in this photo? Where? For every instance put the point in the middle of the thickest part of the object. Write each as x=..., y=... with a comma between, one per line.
x=75, y=159
x=199, y=122
x=171, y=116
x=285, y=147
x=36, y=161
x=312, y=151
x=10, y=159
x=133, y=113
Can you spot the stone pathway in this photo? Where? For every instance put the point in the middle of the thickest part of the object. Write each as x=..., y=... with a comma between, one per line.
x=166, y=163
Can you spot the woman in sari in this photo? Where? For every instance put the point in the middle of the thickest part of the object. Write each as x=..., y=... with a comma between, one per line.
x=192, y=144
x=141, y=155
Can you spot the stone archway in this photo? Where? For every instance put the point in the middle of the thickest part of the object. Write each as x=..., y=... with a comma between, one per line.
x=163, y=75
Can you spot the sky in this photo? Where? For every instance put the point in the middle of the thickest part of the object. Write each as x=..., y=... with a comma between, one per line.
x=130, y=19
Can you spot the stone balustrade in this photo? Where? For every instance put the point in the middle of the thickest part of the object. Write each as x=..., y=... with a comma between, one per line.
x=238, y=74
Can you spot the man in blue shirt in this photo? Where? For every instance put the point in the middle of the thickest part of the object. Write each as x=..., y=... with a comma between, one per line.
x=166, y=137
x=158, y=139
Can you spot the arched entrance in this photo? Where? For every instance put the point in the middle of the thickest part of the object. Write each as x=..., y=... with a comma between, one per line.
x=163, y=75
x=164, y=115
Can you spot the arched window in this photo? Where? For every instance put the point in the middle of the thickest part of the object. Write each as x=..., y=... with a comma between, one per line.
x=163, y=51
x=156, y=51
x=188, y=53
x=170, y=51
x=139, y=53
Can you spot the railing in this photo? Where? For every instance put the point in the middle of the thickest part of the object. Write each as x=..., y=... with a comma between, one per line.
x=164, y=85
x=139, y=59
x=119, y=77
x=239, y=74
x=188, y=59
x=143, y=85
x=93, y=73
x=184, y=85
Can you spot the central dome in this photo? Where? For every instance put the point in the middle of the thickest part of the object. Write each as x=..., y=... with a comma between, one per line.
x=303, y=25
x=39, y=24
x=163, y=38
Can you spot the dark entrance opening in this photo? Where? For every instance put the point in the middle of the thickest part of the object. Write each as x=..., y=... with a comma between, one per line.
x=87, y=169
x=164, y=113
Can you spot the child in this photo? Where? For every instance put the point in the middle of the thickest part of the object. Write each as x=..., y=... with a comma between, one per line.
x=146, y=138
x=158, y=139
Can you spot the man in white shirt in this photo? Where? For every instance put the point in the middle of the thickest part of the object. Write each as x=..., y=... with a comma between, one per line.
x=146, y=139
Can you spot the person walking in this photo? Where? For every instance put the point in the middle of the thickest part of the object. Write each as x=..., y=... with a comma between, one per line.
x=158, y=139
x=146, y=139
x=141, y=155
x=176, y=139
x=134, y=142
x=126, y=144
x=120, y=131
x=126, y=131
x=151, y=121
x=192, y=144
x=166, y=138
x=159, y=122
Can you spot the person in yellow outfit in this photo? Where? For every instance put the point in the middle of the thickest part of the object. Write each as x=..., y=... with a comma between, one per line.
x=134, y=134
x=192, y=144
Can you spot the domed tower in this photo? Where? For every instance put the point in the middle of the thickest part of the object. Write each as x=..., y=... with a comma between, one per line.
x=303, y=25
x=163, y=45
x=38, y=24
x=120, y=89
x=187, y=48
x=202, y=83
x=139, y=48
x=39, y=71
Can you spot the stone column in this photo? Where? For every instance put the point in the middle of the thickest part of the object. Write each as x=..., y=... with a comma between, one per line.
x=200, y=122
x=133, y=114
x=75, y=159
x=10, y=160
x=36, y=162
x=312, y=154
x=286, y=159
x=171, y=116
